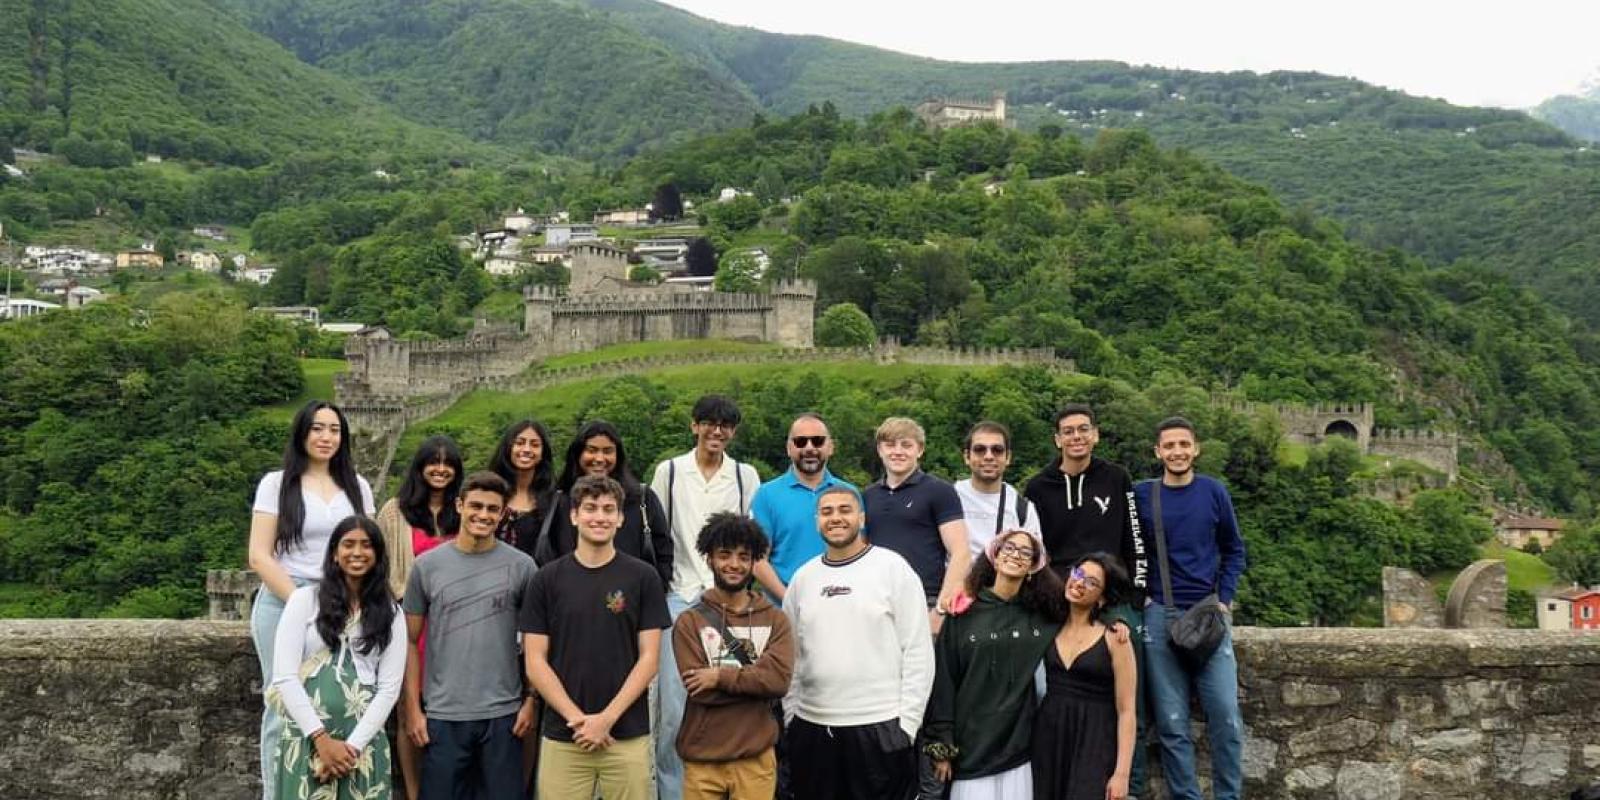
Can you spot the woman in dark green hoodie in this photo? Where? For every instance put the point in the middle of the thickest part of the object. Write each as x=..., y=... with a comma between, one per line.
x=980, y=716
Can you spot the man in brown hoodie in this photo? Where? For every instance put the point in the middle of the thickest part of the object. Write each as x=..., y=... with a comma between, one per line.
x=735, y=653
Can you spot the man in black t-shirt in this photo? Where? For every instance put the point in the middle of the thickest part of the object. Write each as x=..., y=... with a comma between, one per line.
x=591, y=629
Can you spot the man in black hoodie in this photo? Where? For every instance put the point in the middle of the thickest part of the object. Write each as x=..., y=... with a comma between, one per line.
x=1086, y=505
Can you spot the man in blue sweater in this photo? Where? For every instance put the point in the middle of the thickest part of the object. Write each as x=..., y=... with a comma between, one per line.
x=1206, y=553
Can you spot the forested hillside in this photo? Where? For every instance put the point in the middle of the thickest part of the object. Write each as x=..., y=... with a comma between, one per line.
x=101, y=82
x=526, y=73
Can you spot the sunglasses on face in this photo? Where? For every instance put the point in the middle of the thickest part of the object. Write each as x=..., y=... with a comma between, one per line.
x=1016, y=551
x=1079, y=575
x=981, y=450
x=802, y=442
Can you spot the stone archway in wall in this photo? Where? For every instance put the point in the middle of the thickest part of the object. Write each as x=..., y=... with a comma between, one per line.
x=1344, y=428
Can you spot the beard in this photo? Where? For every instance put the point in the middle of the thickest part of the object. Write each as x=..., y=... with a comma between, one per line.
x=730, y=588
x=855, y=534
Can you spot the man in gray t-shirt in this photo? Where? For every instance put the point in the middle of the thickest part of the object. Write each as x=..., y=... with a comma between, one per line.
x=472, y=709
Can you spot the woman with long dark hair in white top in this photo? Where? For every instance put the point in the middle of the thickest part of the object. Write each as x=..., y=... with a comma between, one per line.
x=296, y=509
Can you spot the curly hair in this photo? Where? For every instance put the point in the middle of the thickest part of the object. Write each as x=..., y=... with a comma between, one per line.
x=1042, y=592
x=727, y=530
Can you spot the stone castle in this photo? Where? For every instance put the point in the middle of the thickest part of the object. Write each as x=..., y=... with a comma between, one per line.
x=1314, y=424
x=600, y=307
x=949, y=112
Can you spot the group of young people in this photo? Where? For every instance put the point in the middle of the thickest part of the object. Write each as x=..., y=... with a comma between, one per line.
x=913, y=639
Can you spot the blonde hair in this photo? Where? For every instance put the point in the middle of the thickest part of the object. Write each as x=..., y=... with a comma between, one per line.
x=896, y=428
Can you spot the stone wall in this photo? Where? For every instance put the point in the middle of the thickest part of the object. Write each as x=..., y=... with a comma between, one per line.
x=142, y=709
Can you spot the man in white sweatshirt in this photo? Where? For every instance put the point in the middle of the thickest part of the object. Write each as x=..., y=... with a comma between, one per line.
x=863, y=663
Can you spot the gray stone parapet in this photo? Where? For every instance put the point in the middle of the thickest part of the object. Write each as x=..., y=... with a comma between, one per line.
x=144, y=709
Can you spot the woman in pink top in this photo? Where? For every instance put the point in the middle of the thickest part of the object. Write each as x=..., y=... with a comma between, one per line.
x=421, y=516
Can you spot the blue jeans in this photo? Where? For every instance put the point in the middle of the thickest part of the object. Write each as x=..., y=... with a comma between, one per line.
x=264, y=616
x=670, y=699
x=1218, y=686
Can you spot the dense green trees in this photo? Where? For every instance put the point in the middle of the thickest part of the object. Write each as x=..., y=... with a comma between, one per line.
x=845, y=325
x=128, y=448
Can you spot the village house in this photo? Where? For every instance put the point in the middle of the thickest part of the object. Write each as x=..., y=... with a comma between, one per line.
x=308, y=314
x=22, y=307
x=570, y=233
x=261, y=275
x=1517, y=530
x=546, y=254
x=80, y=296
x=624, y=217
x=65, y=260
x=147, y=259
x=203, y=261
x=214, y=232
x=239, y=260
x=1576, y=609
x=503, y=265
x=519, y=221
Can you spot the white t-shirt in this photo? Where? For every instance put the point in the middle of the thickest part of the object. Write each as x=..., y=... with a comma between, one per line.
x=305, y=560
x=297, y=640
x=692, y=501
x=979, y=508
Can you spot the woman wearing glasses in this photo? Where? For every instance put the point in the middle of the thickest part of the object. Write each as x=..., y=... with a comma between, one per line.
x=1083, y=733
x=980, y=717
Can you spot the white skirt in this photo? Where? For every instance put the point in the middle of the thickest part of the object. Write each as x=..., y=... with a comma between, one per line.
x=1013, y=784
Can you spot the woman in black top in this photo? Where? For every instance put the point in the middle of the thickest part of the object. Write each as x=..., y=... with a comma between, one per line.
x=525, y=460
x=1083, y=733
x=645, y=535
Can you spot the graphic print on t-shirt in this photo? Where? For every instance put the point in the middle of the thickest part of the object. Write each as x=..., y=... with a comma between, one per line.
x=720, y=654
x=474, y=598
x=616, y=601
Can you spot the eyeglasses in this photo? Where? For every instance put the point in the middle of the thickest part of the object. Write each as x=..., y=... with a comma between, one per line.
x=720, y=426
x=1081, y=430
x=802, y=442
x=1079, y=575
x=981, y=450
x=1019, y=552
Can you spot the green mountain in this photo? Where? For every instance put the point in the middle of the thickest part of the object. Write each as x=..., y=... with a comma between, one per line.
x=1577, y=114
x=102, y=81
x=548, y=75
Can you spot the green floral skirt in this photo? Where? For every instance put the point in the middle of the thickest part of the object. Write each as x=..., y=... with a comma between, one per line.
x=340, y=701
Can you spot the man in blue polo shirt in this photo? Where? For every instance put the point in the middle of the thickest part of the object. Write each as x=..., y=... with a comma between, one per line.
x=786, y=506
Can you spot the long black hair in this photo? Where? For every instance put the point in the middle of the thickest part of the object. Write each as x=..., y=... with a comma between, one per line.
x=342, y=468
x=1042, y=592
x=500, y=462
x=415, y=490
x=333, y=596
x=619, y=471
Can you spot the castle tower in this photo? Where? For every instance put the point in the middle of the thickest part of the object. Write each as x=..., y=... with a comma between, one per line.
x=793, y=314
x=597, y=268
x=538, y=314
x=1000, y=107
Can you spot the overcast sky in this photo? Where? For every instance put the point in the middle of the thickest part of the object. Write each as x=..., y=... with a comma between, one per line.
x=1506, y=54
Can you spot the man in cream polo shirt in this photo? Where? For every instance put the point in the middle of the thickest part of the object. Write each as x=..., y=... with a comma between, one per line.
x=693, y=486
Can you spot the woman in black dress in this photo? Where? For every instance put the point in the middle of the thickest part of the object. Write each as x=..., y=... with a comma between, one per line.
x=1083, y=733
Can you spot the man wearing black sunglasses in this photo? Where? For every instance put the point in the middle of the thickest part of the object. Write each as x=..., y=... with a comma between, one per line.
x=989, y=504
x=786, y=506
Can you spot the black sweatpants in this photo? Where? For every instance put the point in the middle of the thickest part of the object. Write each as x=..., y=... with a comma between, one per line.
x=859, y=762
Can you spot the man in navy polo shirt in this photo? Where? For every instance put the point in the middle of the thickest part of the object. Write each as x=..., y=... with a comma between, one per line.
x=786, y=506
x=918, y=516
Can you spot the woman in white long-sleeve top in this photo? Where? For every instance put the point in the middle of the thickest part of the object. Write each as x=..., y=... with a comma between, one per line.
x=338, y=660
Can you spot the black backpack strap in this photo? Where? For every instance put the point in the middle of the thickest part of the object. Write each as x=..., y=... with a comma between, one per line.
x=1000, y=511
x=672, y=479
x=544, y=550
x=738, y=477
x=1022, y=510
x=713, y=616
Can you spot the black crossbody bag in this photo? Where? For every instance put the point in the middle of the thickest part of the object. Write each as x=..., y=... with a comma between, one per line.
x=1194, y=634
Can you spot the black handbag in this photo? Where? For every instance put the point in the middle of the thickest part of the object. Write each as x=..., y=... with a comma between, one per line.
x=1195, y=634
